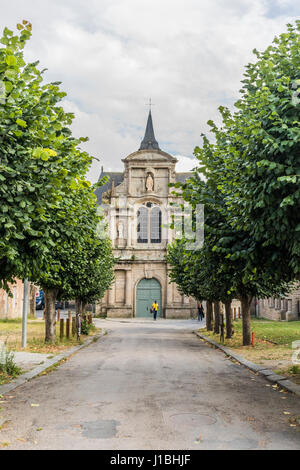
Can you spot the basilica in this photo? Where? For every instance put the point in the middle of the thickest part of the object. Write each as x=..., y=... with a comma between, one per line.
x=138, y=204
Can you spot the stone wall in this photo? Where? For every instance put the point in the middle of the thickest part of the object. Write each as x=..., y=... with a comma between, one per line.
x=287, y=308
x=142, y=258
x=12, y=307
x=120, y=300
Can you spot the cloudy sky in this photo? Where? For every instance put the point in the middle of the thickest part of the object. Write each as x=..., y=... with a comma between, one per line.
x=113, y=55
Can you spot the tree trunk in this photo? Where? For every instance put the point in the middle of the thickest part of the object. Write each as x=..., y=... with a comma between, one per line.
x=228, y=315
x=217, y=317
x=50, y=315
x=222, y=327
x=209, y=326
x=32, y=297
x=83, y=308
x=78, y=304
x=246, y=301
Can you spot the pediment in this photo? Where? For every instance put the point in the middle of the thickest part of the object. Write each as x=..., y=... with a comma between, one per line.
x=150, y=156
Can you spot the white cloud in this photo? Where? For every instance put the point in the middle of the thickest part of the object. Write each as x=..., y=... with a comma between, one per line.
x=185, y=163
x=113, y=55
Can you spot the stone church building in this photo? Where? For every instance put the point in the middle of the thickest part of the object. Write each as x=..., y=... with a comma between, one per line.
x=137, y=203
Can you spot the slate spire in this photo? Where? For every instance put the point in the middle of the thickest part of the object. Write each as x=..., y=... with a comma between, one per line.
x=149, y=142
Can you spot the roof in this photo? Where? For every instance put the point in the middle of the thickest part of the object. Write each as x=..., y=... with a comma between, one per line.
x=117, y=177
x=149, y=142
x=182, y=177
x=150, y=156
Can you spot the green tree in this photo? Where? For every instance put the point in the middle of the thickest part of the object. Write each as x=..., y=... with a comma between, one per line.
x=78, y=255
x=261, y=178
x=188, y=269
x=203, y=273
x=39, y=159
x=242, y=258
x=89, y=274
x=48, y=212
x=234, y=263
x=256, y=166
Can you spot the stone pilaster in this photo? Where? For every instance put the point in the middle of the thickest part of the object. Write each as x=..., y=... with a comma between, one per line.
x=291, y=315
x=169, y=288
x=111, y=295
x=128, y=288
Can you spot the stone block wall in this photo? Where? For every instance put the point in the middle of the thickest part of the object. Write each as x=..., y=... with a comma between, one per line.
x=281, y=309
x=12, y=307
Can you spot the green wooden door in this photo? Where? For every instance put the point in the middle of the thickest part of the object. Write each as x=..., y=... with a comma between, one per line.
x=148, y=290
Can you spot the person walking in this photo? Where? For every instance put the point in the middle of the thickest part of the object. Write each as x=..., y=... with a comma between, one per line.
x=155, y=309
x=200, y=312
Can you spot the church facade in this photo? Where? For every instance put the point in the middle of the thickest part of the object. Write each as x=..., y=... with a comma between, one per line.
x=138, y=207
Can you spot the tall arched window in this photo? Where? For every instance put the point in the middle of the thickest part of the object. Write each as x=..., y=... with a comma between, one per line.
x=155, y=225
x=142, y=225
x=149, y=224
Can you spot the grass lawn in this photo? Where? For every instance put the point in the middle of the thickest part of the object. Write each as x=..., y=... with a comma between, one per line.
x=6, y=378
x=278, y=332
x=273, y=345
x=11, y=333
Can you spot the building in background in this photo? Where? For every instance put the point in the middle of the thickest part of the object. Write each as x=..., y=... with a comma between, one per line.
x=137, y=204
x=12, y=306
x=287, y=308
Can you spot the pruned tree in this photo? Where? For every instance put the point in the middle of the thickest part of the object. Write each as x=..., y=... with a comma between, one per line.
x=232, y=263
x=261, y=178
x=48, y=211
x=90, y=274
x=39, y=159
x=80, y=263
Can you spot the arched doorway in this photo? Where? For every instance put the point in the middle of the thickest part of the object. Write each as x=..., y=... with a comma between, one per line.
x=148, y=290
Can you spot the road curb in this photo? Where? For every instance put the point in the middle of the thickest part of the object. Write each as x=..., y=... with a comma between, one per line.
x=50, y=362
x=268, y=374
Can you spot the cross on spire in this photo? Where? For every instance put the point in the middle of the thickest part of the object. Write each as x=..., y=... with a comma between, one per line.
x=150, y=104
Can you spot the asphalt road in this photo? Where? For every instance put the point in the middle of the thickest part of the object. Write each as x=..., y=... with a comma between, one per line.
x=149, y=385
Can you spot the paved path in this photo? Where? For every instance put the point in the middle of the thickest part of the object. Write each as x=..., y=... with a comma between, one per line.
x=149, y=385
x=28, y=361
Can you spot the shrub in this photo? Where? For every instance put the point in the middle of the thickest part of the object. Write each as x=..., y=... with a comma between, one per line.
x=7, y=363
x=295, y=370
x=86, y=327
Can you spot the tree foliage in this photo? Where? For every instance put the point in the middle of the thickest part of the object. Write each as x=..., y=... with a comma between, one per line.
x=48, y=211
x=261, y=153
x=91, y=272
x=80, y=265
x=39, y=159
x=251, y=190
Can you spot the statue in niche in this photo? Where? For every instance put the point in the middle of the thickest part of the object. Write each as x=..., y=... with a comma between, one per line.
x=120, y=230
x=149, y=183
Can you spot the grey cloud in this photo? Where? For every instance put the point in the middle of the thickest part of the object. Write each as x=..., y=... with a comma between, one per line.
x=113, y=55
